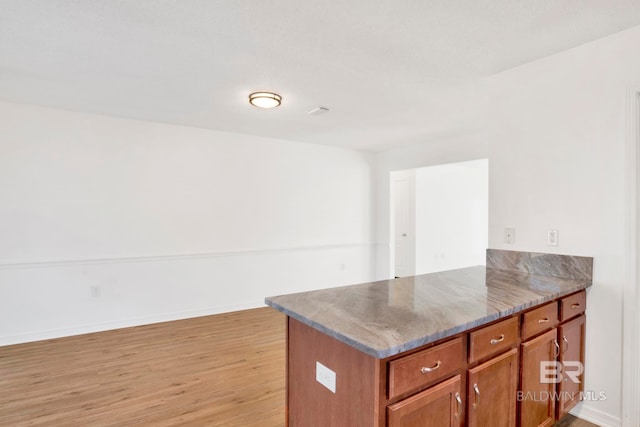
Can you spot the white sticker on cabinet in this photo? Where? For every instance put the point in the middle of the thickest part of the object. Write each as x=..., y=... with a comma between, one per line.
x=326, y=377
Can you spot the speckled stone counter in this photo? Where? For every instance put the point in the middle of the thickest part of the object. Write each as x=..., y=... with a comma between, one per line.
x=389, y=317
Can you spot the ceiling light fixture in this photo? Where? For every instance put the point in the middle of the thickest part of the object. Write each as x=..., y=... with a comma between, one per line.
x=265, y=99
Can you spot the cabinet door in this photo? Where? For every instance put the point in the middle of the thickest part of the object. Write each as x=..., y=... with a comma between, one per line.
x=572, y=338
x=492, y=392
x=537, y=396
x=438, y=406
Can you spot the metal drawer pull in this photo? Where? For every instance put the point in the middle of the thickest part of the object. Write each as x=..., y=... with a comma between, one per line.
x=477, y=393
x=576, y=305
x=555, y=342
x=426, y=370
x=497, y=340
x=544, y=320
x=566, y=341
x=459, y=400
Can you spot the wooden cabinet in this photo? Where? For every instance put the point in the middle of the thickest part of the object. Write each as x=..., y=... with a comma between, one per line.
x=536, y=397
x=440, y=405
x=573, y=305
x=572, y=339
x=552, y=364
x=486, y=376
x=493, y=339
x=491, y=386
x=491, y=396
x=425, y=367
x=539, y=320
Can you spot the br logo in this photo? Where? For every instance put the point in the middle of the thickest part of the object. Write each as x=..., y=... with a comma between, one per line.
x=553, y=372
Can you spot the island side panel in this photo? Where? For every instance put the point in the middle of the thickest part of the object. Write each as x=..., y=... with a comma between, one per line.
x=356, y=400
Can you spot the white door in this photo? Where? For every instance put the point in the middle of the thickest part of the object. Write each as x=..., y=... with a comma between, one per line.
x=403, y=187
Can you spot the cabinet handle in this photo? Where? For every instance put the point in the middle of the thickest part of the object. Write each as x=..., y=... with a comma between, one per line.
x=497, y=340
x=544, y=320
x=459, y=400
x=566, y=341
x=557, y=353
x=476, y=390
x=426, y=370
x=576, y=305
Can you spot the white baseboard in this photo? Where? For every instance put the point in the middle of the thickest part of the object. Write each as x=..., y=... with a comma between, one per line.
x=106, y=326
x=588, y=413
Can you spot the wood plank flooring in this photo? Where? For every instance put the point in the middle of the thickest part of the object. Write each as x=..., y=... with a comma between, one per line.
x=571, y=421
x=223, y=370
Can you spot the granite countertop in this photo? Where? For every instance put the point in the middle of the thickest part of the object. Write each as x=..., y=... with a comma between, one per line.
x=389, y=317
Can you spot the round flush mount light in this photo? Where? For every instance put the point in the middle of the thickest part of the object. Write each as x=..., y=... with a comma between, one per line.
x=265, y=99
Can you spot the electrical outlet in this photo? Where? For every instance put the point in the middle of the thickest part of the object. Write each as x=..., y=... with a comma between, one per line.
x=552, y=237
x=326, y=377
x=95, y=291
x=509, y=235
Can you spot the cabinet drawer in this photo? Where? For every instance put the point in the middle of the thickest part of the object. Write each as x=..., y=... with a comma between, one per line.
x=440, y=405
x=493, y=339
x=419, y=369
x=573, y=305
x=539, y=320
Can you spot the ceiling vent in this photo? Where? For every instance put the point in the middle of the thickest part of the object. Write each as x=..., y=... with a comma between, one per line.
x=318, y=111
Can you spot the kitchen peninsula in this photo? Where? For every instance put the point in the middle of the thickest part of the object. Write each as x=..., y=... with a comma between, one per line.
x=444, y=349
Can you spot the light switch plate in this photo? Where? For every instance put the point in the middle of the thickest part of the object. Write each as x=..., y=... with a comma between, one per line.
x=326, y=377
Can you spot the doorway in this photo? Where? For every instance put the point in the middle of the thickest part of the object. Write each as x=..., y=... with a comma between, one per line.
x=403, y=218
x=439, y=217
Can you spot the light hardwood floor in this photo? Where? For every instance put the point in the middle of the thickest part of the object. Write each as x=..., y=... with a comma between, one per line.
x=571, y=421
x=223, y=370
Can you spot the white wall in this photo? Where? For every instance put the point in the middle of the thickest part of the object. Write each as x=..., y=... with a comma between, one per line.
x=557, y=160
x=466, y=147
x=451, y=216
x=167, y=221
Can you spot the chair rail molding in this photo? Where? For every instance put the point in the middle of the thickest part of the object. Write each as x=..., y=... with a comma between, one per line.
x=25, y=264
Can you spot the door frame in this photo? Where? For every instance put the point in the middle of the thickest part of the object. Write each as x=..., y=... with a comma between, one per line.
x=631, y=289
x=397, y=176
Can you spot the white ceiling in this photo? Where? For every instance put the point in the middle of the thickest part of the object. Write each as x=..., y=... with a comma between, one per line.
x=394, y=72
